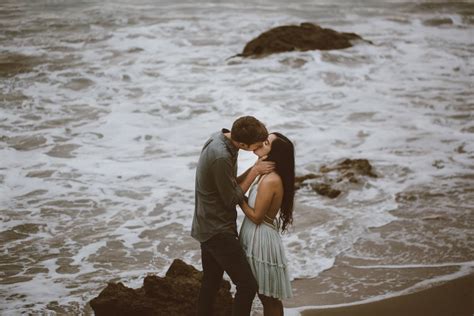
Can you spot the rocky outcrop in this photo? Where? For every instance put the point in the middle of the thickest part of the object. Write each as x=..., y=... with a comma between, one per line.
x=351, y=168
x=338, y=177
x=303, y=37
x=174, y=294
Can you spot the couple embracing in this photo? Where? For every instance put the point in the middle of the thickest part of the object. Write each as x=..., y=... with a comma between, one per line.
x=254, y=259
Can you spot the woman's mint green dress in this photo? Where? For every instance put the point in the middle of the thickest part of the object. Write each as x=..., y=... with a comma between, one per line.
x=266, y=255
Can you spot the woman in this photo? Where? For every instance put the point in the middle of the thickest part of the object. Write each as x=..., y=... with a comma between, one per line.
x=269, y=208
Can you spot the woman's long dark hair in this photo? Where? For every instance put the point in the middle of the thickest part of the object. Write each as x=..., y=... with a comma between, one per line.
x=283, y=154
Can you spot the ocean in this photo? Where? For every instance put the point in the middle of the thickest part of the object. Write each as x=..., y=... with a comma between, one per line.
x=105, y=105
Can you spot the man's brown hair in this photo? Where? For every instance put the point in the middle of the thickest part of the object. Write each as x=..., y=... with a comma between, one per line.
x=248, y=130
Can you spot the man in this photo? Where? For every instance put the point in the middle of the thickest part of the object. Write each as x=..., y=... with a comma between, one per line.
x=218, y=191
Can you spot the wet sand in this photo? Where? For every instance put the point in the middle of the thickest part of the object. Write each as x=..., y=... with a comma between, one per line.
x=419, y=283
x=455, y=297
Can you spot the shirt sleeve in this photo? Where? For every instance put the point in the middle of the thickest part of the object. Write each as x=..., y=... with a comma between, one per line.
x=226, y=182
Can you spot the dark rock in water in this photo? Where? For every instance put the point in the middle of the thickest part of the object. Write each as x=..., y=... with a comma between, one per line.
x=306, y=36
x=347, y=166
x=175, y=294
x=338, y=177
x=326, y=190
x=299, y=180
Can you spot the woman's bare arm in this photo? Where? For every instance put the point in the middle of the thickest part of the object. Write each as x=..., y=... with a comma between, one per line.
x=266, y=191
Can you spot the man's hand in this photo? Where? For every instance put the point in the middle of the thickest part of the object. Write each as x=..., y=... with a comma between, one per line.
x=263, y=167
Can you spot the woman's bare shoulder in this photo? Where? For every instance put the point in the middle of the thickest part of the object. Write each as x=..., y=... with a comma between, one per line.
x=272, y=180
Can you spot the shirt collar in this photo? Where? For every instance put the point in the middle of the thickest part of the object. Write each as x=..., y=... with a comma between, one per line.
x=230, y=146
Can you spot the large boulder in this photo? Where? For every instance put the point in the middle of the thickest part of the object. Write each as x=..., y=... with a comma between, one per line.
x=174, y=294
x=303, y=37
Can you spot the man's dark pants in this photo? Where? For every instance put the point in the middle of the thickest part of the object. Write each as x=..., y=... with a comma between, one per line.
x=223, y=252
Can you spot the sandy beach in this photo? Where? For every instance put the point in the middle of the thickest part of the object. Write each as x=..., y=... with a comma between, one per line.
x=455, y=297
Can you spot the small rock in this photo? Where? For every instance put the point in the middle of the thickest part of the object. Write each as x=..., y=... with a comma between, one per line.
x=326, y=190
x=307, y=177
x=360, y=166
x=438, y=22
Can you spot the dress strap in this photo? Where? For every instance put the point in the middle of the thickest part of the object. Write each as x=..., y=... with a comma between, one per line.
x=260, y=178
x=269, y=218
x=270, y=222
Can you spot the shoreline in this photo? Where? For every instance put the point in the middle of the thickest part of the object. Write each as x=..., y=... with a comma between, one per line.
x=454, y=297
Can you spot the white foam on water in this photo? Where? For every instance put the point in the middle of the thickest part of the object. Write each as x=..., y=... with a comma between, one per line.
x=138, y=93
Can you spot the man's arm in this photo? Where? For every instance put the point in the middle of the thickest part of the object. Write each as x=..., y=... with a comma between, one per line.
x=246, y=179
x=243, y=175
x=226, y=183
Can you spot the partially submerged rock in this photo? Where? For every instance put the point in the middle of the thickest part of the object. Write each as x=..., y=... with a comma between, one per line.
x=175, y=294
x=351, y=167
x=326, y=190
x=300, y=179
x=338, y=177
x=303, y=37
